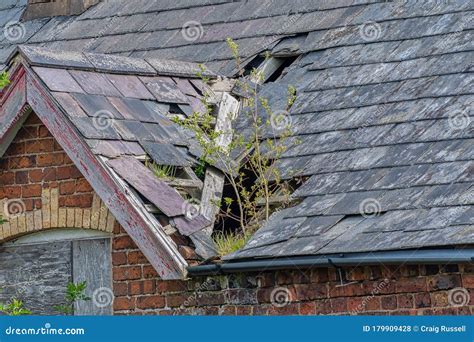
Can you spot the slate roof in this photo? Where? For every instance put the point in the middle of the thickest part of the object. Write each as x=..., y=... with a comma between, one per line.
x=122, y=109
x=384, y=108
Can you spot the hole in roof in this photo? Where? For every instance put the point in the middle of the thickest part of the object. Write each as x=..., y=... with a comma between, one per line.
x=255, y=63
x=227, y=224
x=285, y=63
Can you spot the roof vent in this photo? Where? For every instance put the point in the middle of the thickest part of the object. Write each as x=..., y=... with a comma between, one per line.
x=53, y=8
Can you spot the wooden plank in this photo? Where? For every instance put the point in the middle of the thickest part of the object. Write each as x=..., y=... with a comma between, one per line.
x=6, y=230
x=46, y=207
x=185, y=183
x=92, y=264
x=267, y=69
x=14, y=109
x=214, y=179
x=2, y=232
x=153, y=242
x=54, y=207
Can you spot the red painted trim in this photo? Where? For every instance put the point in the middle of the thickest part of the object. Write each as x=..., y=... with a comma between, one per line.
x=12, y=106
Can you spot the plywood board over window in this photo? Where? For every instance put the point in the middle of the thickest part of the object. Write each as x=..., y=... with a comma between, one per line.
x=37, y=268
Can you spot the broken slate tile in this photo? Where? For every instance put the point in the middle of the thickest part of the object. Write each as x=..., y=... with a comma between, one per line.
x=167, y=154
x=164, y=197
x=166, y=91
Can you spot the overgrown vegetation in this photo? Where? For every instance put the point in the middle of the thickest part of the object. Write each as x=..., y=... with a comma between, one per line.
x=227, y=243
x=74, y=293
x=14, y=308
x=161, y=171
x=4, y=81
x=255, y=180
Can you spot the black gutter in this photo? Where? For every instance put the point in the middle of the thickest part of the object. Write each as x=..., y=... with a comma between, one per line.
x=440, y=256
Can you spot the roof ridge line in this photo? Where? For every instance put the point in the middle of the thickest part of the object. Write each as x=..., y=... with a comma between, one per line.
x=109, y=63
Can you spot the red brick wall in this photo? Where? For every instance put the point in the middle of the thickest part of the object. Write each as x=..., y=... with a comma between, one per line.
x=33, y=164
x=405, y=290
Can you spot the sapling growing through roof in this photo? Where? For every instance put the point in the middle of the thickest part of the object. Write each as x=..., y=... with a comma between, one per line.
x=248, y=161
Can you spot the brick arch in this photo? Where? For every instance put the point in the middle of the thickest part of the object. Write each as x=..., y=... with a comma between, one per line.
x=42, y=182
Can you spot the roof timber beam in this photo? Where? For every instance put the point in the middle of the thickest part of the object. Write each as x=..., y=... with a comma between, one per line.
x=214, y=179
x=267, y=69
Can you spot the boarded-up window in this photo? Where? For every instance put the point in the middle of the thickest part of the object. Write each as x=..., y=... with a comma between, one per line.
x=38, y=267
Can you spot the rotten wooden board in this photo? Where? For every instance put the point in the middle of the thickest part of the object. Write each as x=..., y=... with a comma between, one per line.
x=214, y=179
x=92, y=264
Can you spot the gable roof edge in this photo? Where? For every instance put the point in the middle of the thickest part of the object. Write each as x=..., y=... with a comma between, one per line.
x=155, y=245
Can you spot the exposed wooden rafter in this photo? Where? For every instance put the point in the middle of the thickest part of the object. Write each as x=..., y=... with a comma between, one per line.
x=214, y=178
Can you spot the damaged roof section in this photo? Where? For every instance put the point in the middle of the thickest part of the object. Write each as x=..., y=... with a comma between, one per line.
x=384, y=108
x=123, y=109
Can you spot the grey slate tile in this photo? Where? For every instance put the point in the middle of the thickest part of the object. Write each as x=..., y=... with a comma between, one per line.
x=130, y=86
x=177, y=68
x=96, y=128
x=95, y=105
x=124, y=65
x=58, y=80
x=46, y=57
x=134, y=109
x=132, y=130
x=94, y=83
x=165, y=91
x=167, y=154
x=318, y=225
x=70, y=106
x=142, y=179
